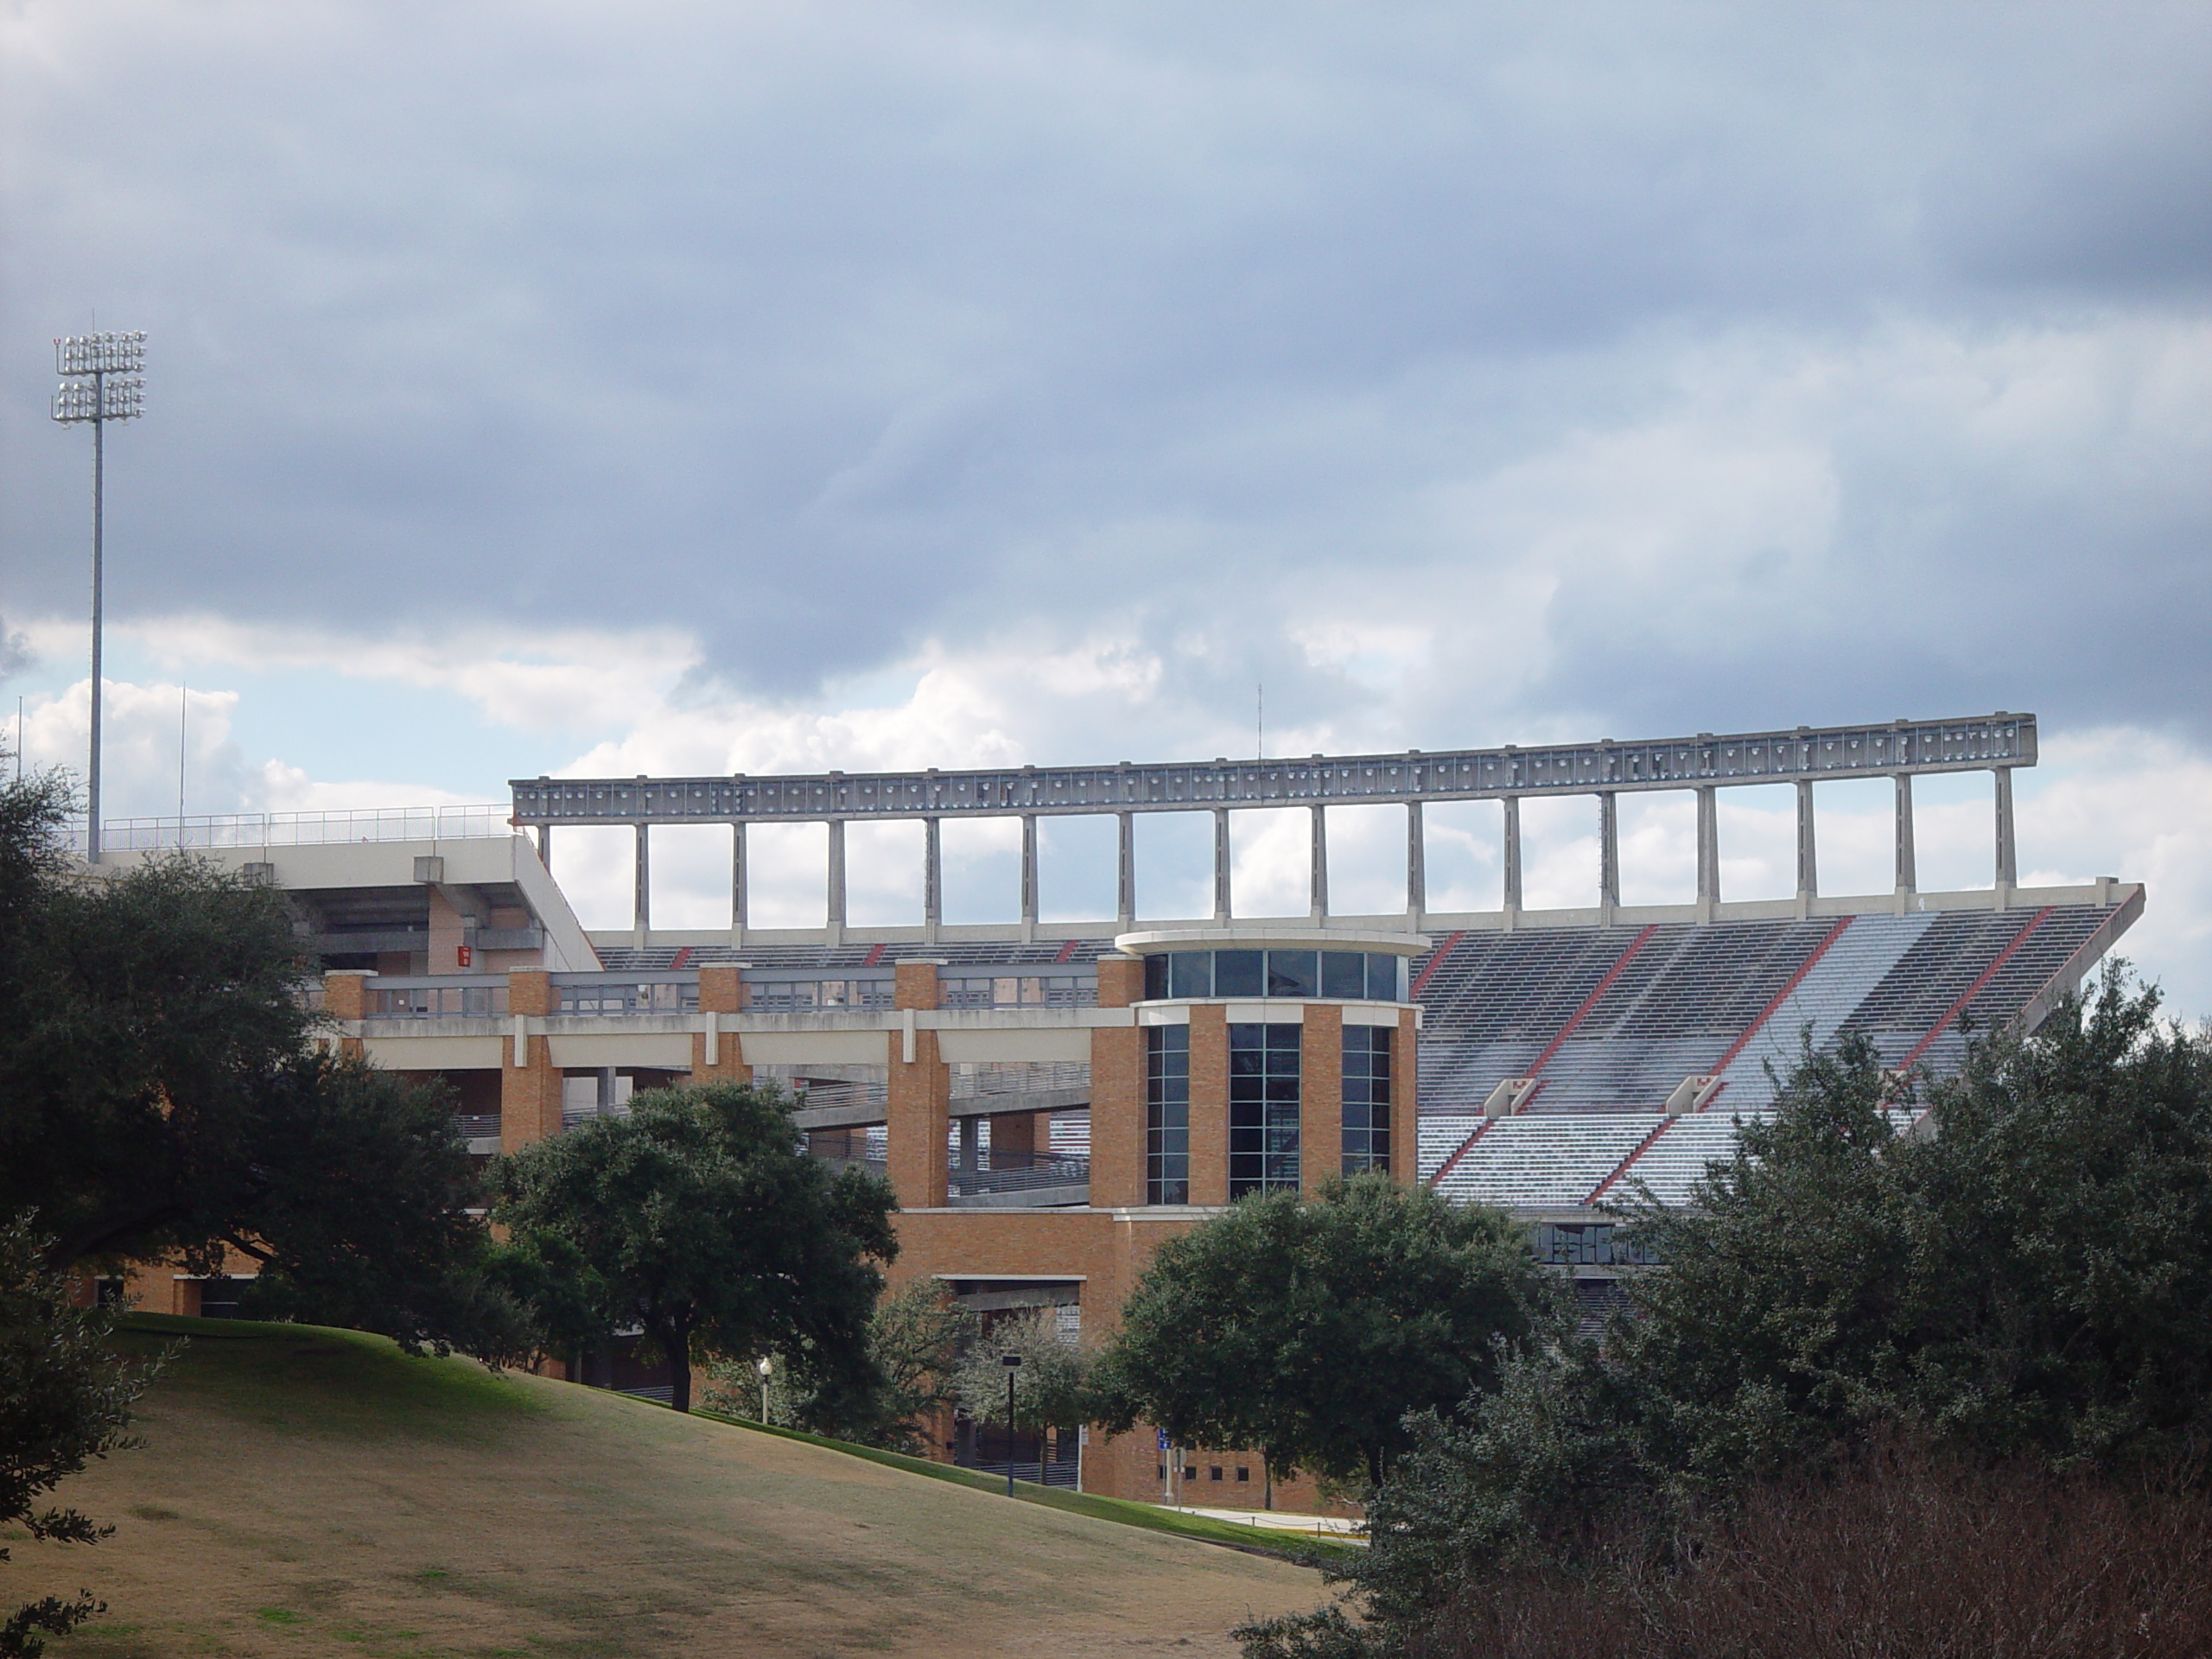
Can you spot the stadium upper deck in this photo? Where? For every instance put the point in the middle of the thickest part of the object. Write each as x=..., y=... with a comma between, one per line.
x=1561, y=1052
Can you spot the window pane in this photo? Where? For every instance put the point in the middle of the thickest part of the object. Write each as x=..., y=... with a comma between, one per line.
x=1155, y=978
x=1382, y=977
x=1192, y=973
x=1343, y=973
x=1236, y=972
x=1292, y=973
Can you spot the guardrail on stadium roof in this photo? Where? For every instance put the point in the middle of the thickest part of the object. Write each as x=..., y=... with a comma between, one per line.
x=299, y=828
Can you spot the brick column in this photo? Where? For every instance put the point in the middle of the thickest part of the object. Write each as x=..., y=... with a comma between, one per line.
x=1321, y=1096
x=1117, y=1086
x=920, y=1090
x=346, y=996
x=1405, y=1078
x=345, y=993
x=530, y=1083
x=1209, y=1103
x=721, y=990
x=1013, y=1134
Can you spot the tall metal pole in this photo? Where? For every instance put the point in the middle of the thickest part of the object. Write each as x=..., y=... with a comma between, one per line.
x=92, y=769
x=78, y=358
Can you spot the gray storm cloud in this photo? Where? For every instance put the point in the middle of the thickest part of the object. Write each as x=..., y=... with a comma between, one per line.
x=1667, y=367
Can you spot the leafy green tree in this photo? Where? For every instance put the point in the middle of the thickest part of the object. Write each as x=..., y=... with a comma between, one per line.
x=915, y=1338
x=700, y=1220
x=1052, y=1386
x=160, y=1100
x=65, y=1398
x=1309, y=1328
x=2027, y=1277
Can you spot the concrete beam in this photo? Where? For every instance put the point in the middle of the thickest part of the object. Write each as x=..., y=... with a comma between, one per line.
x=1971, y=743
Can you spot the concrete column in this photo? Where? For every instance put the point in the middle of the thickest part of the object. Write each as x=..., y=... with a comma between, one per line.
x=1511, y=858
x=836, y=897
x=1908, y=869
x=2008, y=857
x=932, y=877
x=1808, y=878
x=1028, y=875
x=1221, y=864
x=1125, y=870
x=1416, y=866
x=1609, y=857
x=1319, y=905
x=641, y=901
x=971, y=1144
x=739, y=905
x=1708, y=852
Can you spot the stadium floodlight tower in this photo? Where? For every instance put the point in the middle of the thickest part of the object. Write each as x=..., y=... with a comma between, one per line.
x=100, y=382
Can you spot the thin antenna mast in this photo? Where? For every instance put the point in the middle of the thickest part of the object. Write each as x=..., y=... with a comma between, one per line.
x=183, y=703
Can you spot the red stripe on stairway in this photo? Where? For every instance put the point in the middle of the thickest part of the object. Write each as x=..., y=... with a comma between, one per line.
x=1773, y=1008
x=1434, y=963
x=1450, y=1163
x=1976, y=988
x=1643, y=1146
x=1592, y=1000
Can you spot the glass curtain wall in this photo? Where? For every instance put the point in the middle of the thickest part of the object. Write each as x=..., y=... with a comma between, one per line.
x=1167, y=1114
x=1263, y=1103
x=1367, y=1098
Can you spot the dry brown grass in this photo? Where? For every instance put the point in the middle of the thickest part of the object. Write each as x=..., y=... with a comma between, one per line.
x=307, y=1495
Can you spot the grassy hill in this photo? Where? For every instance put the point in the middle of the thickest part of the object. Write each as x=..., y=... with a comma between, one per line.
x=307, y=1491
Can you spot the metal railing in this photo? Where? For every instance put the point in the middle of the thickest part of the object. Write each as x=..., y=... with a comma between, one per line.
x=477, y=1126
x=816, y=1093
x=1018, y=991
x=1019, y=1172
x=248, y=829
x=785, y=993
x=619, y=993
x=480, y=996
x=973, y=1078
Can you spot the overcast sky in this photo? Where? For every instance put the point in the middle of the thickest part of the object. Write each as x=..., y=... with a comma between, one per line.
x=666, y=387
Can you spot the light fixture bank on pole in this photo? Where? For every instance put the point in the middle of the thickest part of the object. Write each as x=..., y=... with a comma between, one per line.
x=100, y=383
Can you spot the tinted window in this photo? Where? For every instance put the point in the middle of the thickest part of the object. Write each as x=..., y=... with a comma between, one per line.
x=1343, y=973
x=1156, y=977
x=1192, y=973
x=1236, y=972
x=1384, y=974
x=1292, y=973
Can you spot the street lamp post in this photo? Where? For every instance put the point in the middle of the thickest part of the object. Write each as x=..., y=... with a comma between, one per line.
x=764, y=1366
x=100, y=383
x=1012, y=1364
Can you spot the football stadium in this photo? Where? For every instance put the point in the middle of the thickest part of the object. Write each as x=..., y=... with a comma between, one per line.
x=1050, y=1100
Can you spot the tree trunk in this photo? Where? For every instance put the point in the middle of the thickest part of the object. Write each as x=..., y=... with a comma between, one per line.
x=674, y=1339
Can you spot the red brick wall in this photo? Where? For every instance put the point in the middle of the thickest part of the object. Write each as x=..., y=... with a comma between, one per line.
x=1321, y=1096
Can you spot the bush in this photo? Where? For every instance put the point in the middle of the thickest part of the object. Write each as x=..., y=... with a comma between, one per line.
x=1900, y=1551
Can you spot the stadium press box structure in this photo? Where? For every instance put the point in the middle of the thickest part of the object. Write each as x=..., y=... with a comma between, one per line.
x=1051, y=1101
